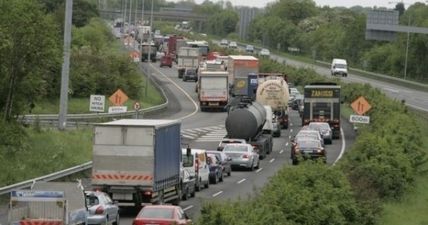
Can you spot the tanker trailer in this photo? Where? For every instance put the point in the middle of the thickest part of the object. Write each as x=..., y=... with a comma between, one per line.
x=246, y=122
x=274, y=92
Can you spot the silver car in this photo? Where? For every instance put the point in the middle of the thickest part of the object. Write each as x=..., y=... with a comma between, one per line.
x=243, y=155
x=309, y=134
x=102, y=210
x=324, y=129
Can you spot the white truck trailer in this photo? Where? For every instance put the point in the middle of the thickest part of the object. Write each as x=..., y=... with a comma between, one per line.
x=188, y=58
x=213, y=89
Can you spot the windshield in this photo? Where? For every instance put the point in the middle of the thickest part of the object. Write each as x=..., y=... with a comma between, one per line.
x=187, y=160
x=214, y=83
x=191, y=72
x=309, y=144
x=157, y=213
x=235, y=148
x=341, y=66
x=322, y=126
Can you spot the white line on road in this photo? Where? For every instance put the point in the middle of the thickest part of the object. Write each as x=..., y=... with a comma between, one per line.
x=291, y=130
x=260, y=169
x=218, y=193
x=289, y=137
x=271, y=161
x=342, y=150
x=241, y=181
x=280, y=152
x=291, y=124
x=286, y=144
x=188, y=207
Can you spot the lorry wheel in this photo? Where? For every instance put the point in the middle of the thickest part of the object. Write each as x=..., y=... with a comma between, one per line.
x=229, y=173
x=116, y=222
x=207, y=185
x=192, y=195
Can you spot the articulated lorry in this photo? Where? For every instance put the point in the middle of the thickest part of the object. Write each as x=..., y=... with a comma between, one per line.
x=137, y=162
x=188, y=58
x=246, y=121
x=322, y=104
x=213, y=90
x=146, y=50
x=48, y=203
x=273, y=90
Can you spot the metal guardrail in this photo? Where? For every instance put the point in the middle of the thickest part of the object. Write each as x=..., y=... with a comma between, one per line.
x=49, y=177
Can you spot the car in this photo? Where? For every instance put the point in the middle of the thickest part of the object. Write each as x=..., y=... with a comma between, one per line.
x=216, y=170
x=264, y=52
x=226, y=141
x=243, y=155
x=276, y=127
x=293, y=93
x=249, y=48
x=233, y=44
x=102, y=210
x=308, y=134
x=161, y=214
x=225, y=162
x=305, y=148
x=190, y=74
x=339, y=67
x=324, y=129
x=224, y=42
x=166, y=60
x=196, y=163
x=297, y=102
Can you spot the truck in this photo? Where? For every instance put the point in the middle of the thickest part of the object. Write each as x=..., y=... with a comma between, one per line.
x=273, y=90
x=188, y=58
x=239, y=66
x=147, y=49
x=213, y=90
x=246, y=121
x=143, y=34
x=53, y=203
x=321, y=103
x=172, y=45
x=137, y=161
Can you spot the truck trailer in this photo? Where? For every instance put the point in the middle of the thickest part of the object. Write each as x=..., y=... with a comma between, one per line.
x=188, y=58
x=137, y=162
x=213, y=86
x=322, y=104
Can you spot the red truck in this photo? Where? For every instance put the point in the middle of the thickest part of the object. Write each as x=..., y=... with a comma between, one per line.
x=172, y=45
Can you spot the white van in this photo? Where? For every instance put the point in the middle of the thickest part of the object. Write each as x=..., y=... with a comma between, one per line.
x=339, y=67
x=268, y=127
x=197, y=166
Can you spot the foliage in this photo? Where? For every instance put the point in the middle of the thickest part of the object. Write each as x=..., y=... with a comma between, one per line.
x=83, y=11
x=220, y=21
x=31, y=45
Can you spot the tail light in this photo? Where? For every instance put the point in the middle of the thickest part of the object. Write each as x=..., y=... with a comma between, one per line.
x=99, y=210
x=245, y=156
x=197, y=165
x=147, y=193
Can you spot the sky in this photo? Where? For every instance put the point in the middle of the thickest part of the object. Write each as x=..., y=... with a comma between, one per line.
x=331, y=3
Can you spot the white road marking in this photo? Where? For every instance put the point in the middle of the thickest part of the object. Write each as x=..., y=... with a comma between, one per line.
x=218, y=193
x=271, y=161
x=188, y=207
x=241, y=181
x=286, y=144
x=291, y=124
x=289, y=137
x=280, y=152
x=342, y=150
x=291, y=130
x=260, y=169
x=182, y=90
x=188, y=136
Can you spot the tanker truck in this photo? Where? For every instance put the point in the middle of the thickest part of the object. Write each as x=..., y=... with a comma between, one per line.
x=272, y=90
x=246, y=121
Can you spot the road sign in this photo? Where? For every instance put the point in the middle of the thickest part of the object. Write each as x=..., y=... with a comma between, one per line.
x=359, y=119
x=361, y=105
x=117, y=109
x=118, y=98
x=137, y=106
x=96, y=103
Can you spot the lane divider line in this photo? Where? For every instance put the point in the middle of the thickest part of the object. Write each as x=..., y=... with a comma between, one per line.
x=260, y=169
x=217, y=194
x=280, y=152
x=291, y=130
x=241, y=181
x=188, y=207
x=182, y=90
x=286, y=144
x=271, y=161
x=342, y=150
x=289, y=137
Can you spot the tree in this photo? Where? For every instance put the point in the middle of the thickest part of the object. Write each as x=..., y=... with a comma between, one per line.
x=400, y=8
x=32, y=50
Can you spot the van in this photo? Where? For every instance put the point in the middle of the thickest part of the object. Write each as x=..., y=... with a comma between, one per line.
x=339, y=67
x=196, y=165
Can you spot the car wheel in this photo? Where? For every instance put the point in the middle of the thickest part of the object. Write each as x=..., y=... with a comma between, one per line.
x=230, y=172
x=207, y=185
x=198, y=185
x=258, y=164
x=221, y=177
x=116, y=222
x=185, y=194
x=193, y=193
x=252, y=166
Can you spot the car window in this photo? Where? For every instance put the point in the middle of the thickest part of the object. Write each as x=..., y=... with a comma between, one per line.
x=92, y=200
x=157, y=213
x=187, y=160
x=108, y=199
x=235, y=148
x=309, y=144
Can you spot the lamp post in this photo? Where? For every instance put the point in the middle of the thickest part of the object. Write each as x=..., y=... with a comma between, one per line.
x=407, y=50
x=150, y=49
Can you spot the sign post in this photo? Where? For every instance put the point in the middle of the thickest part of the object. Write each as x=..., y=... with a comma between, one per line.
x=360, y=106
x=137, y=107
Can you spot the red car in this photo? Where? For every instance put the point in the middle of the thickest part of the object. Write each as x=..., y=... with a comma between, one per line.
x=166, y=60
x=162, y=215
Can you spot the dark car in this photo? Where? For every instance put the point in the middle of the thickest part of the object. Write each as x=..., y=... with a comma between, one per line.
x=216, y=169
x=297, y=102
x=225, y=161
x=307, y=149
x=190, y=74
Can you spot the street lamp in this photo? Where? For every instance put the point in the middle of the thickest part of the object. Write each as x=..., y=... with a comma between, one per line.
x=150, y=49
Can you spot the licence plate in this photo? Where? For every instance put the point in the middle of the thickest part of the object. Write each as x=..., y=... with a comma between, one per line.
x=213, y=103
x=122, y=196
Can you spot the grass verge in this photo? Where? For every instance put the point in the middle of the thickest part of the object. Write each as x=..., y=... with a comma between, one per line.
x=411, y=210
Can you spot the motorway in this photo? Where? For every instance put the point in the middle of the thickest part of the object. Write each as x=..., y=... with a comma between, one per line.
x=206, y=129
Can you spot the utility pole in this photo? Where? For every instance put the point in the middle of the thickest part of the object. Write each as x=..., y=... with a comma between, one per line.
x=142, y=14
x=130, y=13
x=150, y=49
x=62, y=118
x=407, y=50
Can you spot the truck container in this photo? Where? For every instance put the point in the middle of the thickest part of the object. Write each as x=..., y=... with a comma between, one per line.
x=137, y=162
x=273, y=91
x=188, y=58
x=146, y=50
x=143, y=33
x=246, y=121
x=239, y=66
x=172, y=45
x=322, y=104
x=53, y=203
x=213, y=86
